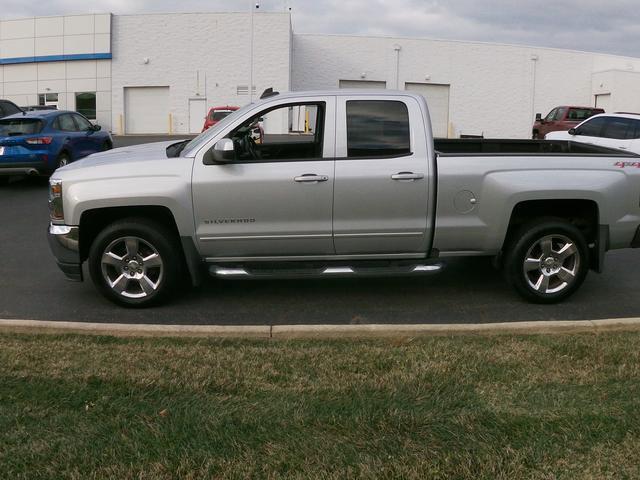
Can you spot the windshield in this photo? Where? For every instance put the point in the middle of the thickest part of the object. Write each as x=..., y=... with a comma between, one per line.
x=20, y=126
x=201, y=139
x=217, y=115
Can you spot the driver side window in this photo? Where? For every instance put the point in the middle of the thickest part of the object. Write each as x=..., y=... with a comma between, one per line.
x=288, y=132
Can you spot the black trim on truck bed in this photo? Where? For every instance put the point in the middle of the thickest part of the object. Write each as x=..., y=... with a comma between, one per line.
x=496, y=147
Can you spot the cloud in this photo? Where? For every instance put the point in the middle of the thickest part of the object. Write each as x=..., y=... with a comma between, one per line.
x=588, y=25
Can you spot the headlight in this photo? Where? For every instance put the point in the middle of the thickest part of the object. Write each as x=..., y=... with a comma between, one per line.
x=56, y=211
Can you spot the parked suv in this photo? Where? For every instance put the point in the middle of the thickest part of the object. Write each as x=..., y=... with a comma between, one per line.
x=612, y=130
x=561, y=118
x=39, y=142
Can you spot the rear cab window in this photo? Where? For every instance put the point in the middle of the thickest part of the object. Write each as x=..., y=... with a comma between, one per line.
x=377, y=128
x=10, y=127
x=380, y=126
x=580, y=114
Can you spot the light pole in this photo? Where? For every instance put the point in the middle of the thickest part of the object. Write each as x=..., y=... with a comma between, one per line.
x=251, y=8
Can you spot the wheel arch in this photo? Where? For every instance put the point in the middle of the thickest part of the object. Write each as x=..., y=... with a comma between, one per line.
x=584, y=214
x=93, y=221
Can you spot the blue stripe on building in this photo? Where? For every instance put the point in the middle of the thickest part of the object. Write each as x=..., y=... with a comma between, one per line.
x=56, y=58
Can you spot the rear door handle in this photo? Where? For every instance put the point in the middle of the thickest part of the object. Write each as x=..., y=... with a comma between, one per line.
x=311, y=178
x=407, y=176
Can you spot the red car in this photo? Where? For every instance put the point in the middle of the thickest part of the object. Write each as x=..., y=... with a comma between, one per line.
x=216, y=114
x=561, y=118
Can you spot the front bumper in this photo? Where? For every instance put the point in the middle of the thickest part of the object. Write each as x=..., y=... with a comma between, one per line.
x=64, y=242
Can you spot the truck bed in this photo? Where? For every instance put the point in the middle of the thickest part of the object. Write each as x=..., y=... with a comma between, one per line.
x=482, y=146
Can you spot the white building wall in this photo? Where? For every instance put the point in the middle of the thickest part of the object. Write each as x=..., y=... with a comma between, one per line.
x=492, y=88
x=29, y=46
x=198, y=55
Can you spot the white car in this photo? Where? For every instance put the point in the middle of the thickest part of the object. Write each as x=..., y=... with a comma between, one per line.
x=613, y=130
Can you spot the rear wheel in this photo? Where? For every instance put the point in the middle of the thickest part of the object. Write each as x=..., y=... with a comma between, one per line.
x=135, y=262
x=548, y=261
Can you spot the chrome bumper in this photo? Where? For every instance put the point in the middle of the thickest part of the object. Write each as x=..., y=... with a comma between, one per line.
x=64, y=242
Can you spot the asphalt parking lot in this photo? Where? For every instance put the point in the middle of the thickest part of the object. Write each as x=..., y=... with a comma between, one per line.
x=468, y=291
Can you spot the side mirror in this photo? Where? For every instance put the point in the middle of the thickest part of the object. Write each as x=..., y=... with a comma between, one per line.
x=221, y=153
x=538, y=117
x=573, y=131
x=96, y=128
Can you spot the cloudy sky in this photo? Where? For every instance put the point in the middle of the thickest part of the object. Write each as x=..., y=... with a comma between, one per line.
x=611, y=26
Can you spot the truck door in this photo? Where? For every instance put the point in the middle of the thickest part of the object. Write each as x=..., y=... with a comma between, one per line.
x=276, y=198
x=381, y=197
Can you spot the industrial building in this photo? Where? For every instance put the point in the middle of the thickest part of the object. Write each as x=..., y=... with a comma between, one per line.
x=159, y=73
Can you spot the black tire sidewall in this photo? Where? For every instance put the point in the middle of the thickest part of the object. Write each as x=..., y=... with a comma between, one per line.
x=524, y=240
x=160, y=237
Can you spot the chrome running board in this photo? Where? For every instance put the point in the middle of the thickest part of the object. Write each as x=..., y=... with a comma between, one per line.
x=242, y=272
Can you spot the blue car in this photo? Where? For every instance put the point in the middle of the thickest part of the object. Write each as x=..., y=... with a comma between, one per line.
x=38, y=142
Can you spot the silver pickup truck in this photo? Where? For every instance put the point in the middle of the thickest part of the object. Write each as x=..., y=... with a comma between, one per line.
x=340, y=183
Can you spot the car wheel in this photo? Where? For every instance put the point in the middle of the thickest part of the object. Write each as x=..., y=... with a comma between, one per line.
x=535, y=136
x=134, y=262
x=63, y=160
x=106, y=146
x=547, y=261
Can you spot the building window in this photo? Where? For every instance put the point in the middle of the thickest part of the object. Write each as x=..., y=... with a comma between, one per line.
x=86, y=104
x=48, y=99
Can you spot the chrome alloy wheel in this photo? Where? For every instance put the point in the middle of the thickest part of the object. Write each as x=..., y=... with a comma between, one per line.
x=132, y=267
x=552, y=264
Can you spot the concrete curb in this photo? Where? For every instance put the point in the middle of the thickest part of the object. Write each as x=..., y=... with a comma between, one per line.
x=319, y=331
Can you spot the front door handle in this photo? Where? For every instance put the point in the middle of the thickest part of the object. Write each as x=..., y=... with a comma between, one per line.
x=410, y=176
x=311, y=178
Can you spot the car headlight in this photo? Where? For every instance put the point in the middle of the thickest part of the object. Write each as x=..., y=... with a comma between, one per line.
x=56, y=212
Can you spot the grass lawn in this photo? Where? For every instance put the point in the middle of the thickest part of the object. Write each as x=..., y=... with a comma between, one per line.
x=476, y=407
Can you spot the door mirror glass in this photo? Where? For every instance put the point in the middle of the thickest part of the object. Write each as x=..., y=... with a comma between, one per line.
x=538, y=117
x=97, y=128
x=573, y=131
x=222, y=152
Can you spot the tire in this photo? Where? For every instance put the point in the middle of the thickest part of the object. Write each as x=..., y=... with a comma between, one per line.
x=136, y=262
x=547, y=260
x=62, y=160
x=535, y=136
x=106, y=146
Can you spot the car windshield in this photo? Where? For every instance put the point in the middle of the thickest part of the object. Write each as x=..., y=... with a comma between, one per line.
x=218, y=115
x=201, y=139
x=19, y=126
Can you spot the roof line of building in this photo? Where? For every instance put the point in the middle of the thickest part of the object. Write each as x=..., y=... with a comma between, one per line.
x=467, y=42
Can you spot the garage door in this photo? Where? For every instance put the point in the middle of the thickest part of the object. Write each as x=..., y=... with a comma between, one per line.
x=146, y=109
x=363, y=84
x=438, y=100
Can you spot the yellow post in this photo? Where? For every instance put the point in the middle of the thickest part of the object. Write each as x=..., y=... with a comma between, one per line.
x=306, y=120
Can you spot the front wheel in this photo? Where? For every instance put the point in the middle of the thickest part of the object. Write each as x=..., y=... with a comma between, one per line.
x=548, y=261
x=135, y=262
